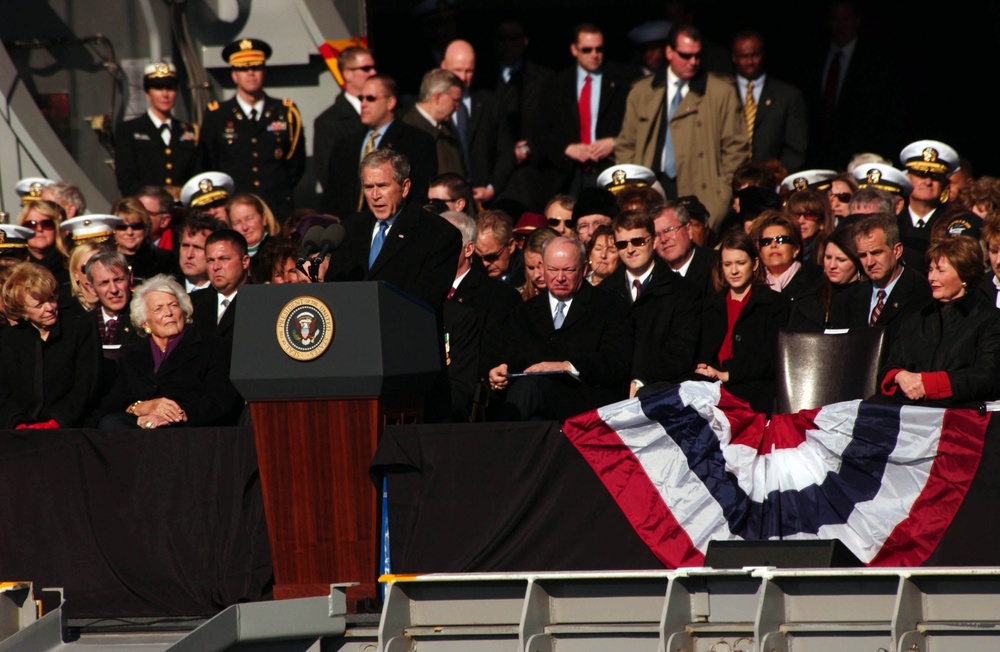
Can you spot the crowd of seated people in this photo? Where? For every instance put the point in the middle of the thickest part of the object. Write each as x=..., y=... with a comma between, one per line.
x=588, y=281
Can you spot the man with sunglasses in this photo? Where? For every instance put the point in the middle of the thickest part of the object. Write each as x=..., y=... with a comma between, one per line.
x=928, y=164
x=256, y=139
x=663, y=306
x=381, y=130
x=343, y=117
x=580, y=116
x=687, y=125
x=497, y=249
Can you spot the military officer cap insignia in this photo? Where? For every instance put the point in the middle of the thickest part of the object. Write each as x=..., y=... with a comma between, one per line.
x=94, y=228
x=618, y=177
x=929, y=157
x=883, y=177
x=30, y=189
x=246, y=53
x=808, y=179
x=207, y=188
x=159, y=74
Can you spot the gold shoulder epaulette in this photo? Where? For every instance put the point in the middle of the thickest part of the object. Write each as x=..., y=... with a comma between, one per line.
x=213, y=105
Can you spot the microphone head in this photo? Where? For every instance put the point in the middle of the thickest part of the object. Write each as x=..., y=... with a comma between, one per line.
x=311, y=240
x=333, y=235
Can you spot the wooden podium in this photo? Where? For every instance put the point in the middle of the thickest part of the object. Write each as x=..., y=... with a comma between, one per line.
x=317, y=418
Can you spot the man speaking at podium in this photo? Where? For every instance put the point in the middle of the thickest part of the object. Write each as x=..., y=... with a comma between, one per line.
x=396, y=240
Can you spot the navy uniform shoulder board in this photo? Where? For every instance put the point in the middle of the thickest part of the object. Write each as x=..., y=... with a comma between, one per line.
x=213, y=105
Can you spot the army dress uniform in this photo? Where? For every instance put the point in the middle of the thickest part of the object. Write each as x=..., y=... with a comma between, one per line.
x=265, y=157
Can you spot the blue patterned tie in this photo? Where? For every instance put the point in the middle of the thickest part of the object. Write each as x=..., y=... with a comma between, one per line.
x=669, y=167
x=560, y=315
x=383, y=226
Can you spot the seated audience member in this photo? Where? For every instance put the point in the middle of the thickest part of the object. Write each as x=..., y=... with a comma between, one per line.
x=496, y=248
x=228, y=269
x=637, y=198
x=779, y=245
x=455, y=192
x=108, y=278
x=275, y=263
x=698, y=230
x=982, y=197
x=676, y=247
x=750, y=203
x=533, y=270
x=251, y=217
x=839, y=195
x=67, y=196
x=892, y=290
x=50, y=360
x=664, y=307
x=159, y=204
x=575, y=337
x=949, y=350
x=197, y=227
x=179, y=377
x=144, y=259
x=594, y=207
x=602, y=258
x=14, y=245
x=990, y=285
x=209, y=192
x=45, y=247
x=740, y=324
x=79, y=288
x=811, y=211
x=841, y=272
x=527, y=223
x=559, y=214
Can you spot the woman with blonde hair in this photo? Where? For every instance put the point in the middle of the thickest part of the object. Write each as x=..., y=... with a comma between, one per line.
x=132, y=241
x=46, y=247
x=79, y=287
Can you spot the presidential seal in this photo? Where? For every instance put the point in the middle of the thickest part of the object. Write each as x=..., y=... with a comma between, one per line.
x=305, y=328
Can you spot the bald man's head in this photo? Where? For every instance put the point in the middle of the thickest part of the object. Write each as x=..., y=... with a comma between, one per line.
x=460, y=60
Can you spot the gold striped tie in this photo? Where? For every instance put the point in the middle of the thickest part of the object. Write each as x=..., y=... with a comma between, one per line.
x=750, y=112
x=369, y=148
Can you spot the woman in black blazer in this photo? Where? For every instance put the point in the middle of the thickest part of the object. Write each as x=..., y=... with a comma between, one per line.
x=179, y=377
x=779, y=241
x=740, y=325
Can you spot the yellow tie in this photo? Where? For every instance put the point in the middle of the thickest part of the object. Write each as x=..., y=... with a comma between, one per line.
x=750, y=112
x=369, y=148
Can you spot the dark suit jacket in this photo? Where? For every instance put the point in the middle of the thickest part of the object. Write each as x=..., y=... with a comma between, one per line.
x=69, y=361
x=559, y=120
x=596, y=338
x=149, y=261
x=492, y=300
x=206, y=310
x=851, y=309
x=755, y=343
x=446, y=143
x=195, y=375
x=988, y=288
x=699, y=272
x=419, y=256
x=491, y=145
x=343, y=183
x=335, y=122
x=781, y=128
x=667, y=318
x=142, y=159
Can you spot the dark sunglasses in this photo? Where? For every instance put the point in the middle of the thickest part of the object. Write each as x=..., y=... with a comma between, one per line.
x=779, y=239
x=135, y=226
x=842, y=197
x=362, y=68
x=934, y=176
x=491, y=258
x=687, y=56
x=812, y=217
x=368, y=98
x=587, y=50
x=40, y=225
x=554, y=222
x=635, y=242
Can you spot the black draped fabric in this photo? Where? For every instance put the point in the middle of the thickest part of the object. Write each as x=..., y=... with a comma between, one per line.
x=499, y=497
x=133, y=523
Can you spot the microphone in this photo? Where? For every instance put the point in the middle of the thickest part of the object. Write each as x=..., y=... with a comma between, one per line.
x=333, y=235
x=311, y=242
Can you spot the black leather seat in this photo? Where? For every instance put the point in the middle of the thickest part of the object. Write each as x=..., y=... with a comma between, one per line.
x=816, y=369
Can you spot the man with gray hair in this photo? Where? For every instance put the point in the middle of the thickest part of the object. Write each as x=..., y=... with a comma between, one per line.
x=158, y=203
x=108, y=276
x=440, y=94
x=68, y=196
x=673, y=243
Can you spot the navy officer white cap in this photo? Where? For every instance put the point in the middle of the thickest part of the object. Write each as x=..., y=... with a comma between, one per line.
x=883, y=177
x=207, y=188
x=929, y=156
x=808, y=179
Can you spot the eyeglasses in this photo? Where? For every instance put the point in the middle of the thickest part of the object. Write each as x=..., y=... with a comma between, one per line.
x=40, y=225
x=554, y=222
x=933, y=176
x=587, y=50
x=842, y=197
x=635, y=242
x=135, y=226
x=687, y=56
x=361, y=68
x=369, y=98
x=670, y=230
x=812, y=217
x=493, y=257
x=778, y=239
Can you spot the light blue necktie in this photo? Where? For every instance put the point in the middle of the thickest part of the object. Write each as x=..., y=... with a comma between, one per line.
x=377, y=242
x=560, y=315
x=669, y=167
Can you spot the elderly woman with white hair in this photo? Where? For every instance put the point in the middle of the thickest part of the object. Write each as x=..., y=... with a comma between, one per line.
x=179, y=377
